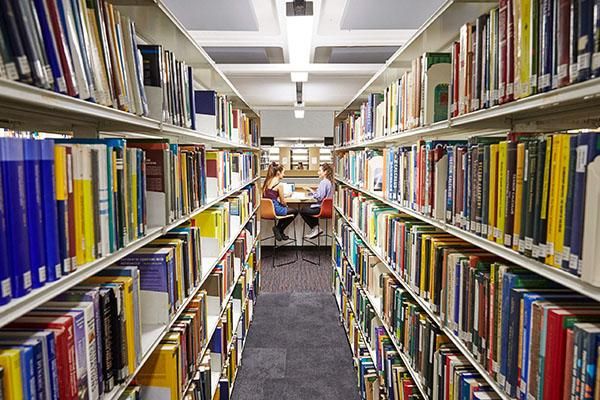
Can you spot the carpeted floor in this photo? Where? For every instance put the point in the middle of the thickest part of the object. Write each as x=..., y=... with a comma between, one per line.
x=296, y=348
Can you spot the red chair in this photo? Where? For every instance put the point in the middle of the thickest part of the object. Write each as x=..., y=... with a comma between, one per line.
x=267, y=212
x=326, y=213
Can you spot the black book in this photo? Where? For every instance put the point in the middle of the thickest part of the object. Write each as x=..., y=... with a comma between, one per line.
x=542, y=190
x=8, y=67
x=530, y=195
x=31, y=39
x=11, y=25
x=511, y=187
x=569, y=205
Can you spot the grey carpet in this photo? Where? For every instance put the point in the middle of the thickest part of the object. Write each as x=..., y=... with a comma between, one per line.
x=296, y=348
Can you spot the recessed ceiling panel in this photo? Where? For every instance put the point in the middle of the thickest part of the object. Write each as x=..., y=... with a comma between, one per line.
x=215, y=15
x=245, y=55
x=354, y=55
x=387, y=14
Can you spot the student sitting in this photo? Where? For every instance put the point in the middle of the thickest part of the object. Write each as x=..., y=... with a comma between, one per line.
x=273, y=189
x=324, y=191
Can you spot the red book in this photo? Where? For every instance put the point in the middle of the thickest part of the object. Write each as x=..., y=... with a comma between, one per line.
x=563, y=34
x=62, y=48
x=558, y=321
x=568, y=376
x=65, y=348
x=502, y=53
x=510, y=50
x=455, y=77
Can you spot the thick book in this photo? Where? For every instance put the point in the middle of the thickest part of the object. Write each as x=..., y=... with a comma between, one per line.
x=50, y=217
x=5, y=266
x=152, y=56
x=585, y=42
x=12, y=160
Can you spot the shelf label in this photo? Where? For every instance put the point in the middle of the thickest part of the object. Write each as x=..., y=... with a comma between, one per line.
x=6, y=288
x=11, y=71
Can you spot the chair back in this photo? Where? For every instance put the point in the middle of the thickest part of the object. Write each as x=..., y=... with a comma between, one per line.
x=267, y=209
x=326, y=209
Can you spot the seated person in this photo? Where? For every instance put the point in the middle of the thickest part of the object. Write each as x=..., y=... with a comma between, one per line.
x=273, y=189
x=324, y=191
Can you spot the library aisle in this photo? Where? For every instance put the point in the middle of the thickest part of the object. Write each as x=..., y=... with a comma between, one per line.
x=296, y=348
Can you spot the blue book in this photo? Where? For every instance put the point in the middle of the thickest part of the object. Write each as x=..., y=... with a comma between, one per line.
x=205, y=102
x=596, y=45
x=215, y=342
x=36, y=348
x=50, y=217
x=5, y=286
x=587, y=151
x=28, y=372
x=12, y=159
x=223, y=389
x=45, y=22
x=585, y=44
x=35, y=218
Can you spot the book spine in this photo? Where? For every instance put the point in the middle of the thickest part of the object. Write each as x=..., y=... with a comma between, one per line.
x=5, y=273
x=50, y=217
x=585, y=26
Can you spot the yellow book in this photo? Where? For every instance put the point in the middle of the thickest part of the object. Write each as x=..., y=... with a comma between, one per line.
x=493, y=190
x=160, y=375
x=10, y=361
x=544, y=208
x=518, y=195
x=501, y=210
x=88, y=205
x=554, y=195
x=60, y=173
x=79, y=204
x=562, y=191
x=129, y=309
x=525, y=48
x=209, y=224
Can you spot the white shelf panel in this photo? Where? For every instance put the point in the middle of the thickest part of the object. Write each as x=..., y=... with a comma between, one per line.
x=554, y=274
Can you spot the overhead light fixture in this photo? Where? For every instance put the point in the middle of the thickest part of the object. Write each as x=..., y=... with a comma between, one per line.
x=299, y=31
x=299, y=113
x=299, y=76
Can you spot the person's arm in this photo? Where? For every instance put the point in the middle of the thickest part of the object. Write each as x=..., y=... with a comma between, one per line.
x=281, y=195
x=321, y=191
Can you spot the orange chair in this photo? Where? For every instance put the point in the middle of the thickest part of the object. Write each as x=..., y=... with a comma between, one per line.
x=326, y=213
x=267, y=211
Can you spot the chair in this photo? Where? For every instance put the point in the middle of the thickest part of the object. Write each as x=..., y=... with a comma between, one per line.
x=326, y=213
x=267, y=211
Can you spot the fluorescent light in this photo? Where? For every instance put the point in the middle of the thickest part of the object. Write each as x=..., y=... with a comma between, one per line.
x=299, y=34
x=299, y=76
x=299, y=113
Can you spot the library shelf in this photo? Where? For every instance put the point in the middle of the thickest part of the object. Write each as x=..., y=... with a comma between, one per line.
x=377, y=307
x=339, y=306
x=458, y=343
x=22, y=305
x=25, y=106
x=548, y=111
x=213, y=321
x=559, y=276
x=153, y=336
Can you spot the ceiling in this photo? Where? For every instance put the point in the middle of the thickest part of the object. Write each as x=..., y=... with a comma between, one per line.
x=350, y=41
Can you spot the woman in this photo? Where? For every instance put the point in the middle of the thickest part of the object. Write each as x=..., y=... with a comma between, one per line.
x=273, y=189
x=324, y=191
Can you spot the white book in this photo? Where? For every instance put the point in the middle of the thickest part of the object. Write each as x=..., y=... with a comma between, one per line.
x=436, y=76
x=440, y=180
x=590, y=268
x=130, y=61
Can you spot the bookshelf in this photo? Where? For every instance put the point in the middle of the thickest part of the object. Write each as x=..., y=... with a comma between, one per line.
x=25, y=107
x=567, y=108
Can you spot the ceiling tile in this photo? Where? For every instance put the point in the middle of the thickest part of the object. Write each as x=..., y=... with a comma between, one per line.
x=387, y=14
x=215, y=15
x=354, y=55
x=245, y=55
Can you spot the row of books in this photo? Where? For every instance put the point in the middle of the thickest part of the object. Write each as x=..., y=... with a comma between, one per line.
x=528, y=192
x=90, y=51
x=419, y=97
x=522, y=48
x=69, y=202
x=81, y=49
x=492, y=307
x=376, y=378
x=517, y=49
x=215, y=113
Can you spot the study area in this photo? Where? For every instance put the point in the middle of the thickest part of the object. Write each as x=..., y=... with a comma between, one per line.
x=299, y=199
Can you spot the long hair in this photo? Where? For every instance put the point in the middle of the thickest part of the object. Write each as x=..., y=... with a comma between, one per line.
x=328, y=169
x=272, y=171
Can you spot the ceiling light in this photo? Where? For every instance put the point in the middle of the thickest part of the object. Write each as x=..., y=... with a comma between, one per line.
x=299, y=33
x=299, y=113
x=299, y=76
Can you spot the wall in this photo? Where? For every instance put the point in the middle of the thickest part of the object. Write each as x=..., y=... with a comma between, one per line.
x=279, y=124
